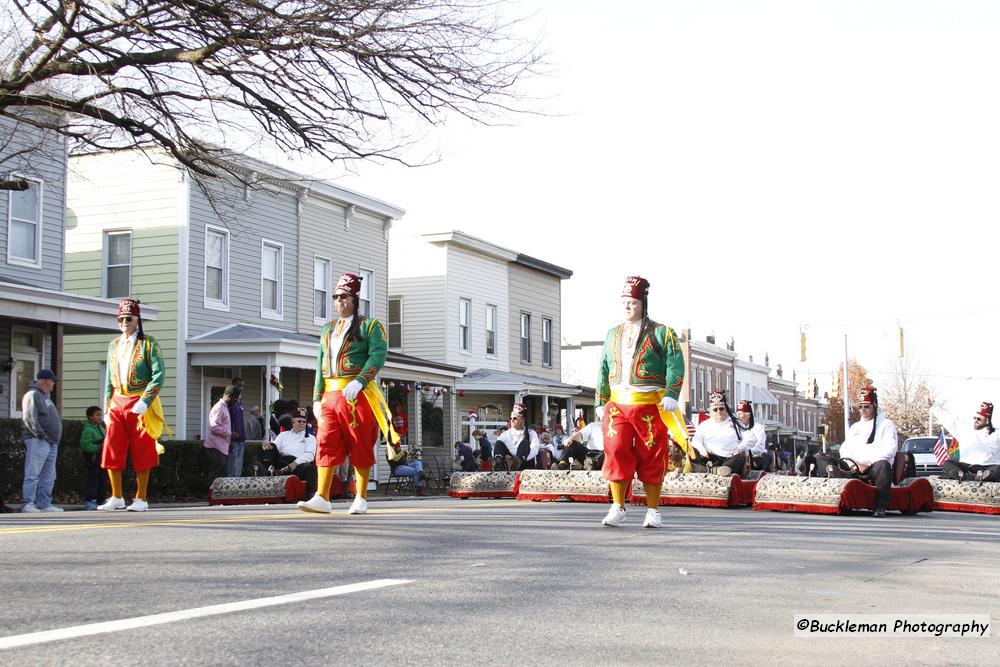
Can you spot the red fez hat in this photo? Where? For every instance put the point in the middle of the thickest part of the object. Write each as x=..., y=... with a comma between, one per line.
x=717, y=398
x=744, y=406
x=348, y=284
x=301, y=413
x=543, y=429
x=867, y=395
x=985, y=410
x=128, y=306
x=636, y=287
x=518, y=410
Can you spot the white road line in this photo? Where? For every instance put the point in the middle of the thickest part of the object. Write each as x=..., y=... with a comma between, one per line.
x=185, y=614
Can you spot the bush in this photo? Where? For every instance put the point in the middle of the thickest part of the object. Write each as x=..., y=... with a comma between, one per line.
x=183, y=473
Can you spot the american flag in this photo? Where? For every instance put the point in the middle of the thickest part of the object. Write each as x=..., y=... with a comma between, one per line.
x=690, y=428
x=941, y=449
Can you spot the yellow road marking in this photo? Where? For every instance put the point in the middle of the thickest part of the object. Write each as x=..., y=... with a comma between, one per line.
x=233, y=519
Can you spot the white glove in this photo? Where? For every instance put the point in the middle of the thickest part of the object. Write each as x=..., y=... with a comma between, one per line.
x=317, y=411
x=599, y=412
x=352, y=390
x=669, y=404
x=139, y=408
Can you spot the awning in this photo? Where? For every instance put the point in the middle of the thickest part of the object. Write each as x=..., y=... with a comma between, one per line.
x=77, y=313
x=242, y=344
x=502, y=382
x=762, y=396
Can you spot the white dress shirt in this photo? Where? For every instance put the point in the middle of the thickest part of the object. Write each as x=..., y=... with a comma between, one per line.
x=975, y=446
x=882, y=448
x=512, y=438
x=721, y=439
x=299, y=445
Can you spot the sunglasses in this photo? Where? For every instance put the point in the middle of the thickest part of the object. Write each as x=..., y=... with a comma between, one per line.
x=865, y=407
x=125, y=318
x=298, y=421
x=341, y=297
x=718, y=409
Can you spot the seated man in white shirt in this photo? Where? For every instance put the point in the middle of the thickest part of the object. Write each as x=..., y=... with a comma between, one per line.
x=978, y=445
x=293, y=453
x=721, y=442
x=871, y=443
x=585, y=449
x=517, y=447
x=761, y=457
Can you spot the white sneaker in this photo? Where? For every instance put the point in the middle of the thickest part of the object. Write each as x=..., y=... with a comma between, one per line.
x=29, y=508
x=359, y=506
x=138, y=505
x=51, y=508
x=315, y=504
x=652, y=519
x=112, y=503
x=615, y=516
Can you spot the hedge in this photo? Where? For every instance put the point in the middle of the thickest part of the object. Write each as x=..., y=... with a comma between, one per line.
x=183, y=473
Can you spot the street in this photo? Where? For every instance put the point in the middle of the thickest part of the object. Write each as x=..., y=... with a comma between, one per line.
x=487, y=582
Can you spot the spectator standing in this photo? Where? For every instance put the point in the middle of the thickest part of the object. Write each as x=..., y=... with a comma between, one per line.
x=95, y=488
x=220, y=433
x=41, y=434
x=238, y=440
x=278, y=410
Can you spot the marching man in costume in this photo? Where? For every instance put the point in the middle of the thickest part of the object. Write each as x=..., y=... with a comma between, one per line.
x=132, y=409
x=639, y=379
x=347, y=401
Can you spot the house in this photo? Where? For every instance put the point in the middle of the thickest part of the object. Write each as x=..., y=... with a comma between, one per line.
x=470, y=303
x=242, y=275
x=38, y=316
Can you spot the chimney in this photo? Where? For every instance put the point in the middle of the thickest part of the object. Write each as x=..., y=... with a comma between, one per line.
x=731, y=345
x=779, y=371
x=710, y=338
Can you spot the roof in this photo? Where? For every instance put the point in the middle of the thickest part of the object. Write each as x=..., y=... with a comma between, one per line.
x=489, y=249
x=78, y=313
x=763, y=396
x=543, y=266
x=407, y=360
x=239, y=331
x=485, y=379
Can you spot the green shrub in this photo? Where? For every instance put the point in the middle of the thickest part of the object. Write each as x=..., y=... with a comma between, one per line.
x=183, y=473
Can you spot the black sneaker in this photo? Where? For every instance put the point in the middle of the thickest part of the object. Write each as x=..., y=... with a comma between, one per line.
x=879, y=513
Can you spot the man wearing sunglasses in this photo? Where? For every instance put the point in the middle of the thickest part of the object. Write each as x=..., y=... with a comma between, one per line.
x=978, y=445
x=132, y=409
x=293, y=453
x=722, y=441
x=871, y=443
x=639, y=379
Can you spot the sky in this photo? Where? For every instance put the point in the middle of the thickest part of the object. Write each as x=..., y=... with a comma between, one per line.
x=767, y=166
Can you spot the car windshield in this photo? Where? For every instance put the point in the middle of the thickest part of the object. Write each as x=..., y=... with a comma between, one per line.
x=920, y=445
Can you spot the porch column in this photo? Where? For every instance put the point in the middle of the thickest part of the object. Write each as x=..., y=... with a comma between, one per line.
x=272, y=392
x=545, y=410
x=416, y=427
x=570, y=414
x=452, y=419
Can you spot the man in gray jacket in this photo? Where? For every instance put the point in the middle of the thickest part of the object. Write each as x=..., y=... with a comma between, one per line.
x=42, y=432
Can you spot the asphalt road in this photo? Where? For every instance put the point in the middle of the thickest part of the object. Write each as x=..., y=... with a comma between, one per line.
x=491, y=582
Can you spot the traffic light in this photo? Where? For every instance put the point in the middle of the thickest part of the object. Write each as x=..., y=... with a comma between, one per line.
x=802, y=346
x=901, y=341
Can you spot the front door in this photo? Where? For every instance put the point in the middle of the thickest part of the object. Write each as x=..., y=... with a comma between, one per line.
x=26, y=367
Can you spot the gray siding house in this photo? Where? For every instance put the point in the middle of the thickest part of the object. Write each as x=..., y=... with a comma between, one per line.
x=37, y=315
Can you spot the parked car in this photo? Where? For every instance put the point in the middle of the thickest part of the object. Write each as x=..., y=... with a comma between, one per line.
x=923, y=453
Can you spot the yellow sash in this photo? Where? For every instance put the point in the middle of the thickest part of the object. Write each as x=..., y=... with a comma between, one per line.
x=380, y=407
x=673, y=420
x=152, y=420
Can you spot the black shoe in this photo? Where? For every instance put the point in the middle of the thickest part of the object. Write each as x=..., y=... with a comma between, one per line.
x=879, y=513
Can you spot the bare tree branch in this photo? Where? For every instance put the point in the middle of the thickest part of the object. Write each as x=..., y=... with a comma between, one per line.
x=201, y=79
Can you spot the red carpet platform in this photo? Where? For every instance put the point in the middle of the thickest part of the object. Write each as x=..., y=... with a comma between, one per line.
x=954, y=496
x=700, y=489
x=819, y=495
x=483, y=485
x=256, y=490
x=586, y=486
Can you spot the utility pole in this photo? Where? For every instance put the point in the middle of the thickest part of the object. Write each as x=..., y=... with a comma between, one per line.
x=847, y=393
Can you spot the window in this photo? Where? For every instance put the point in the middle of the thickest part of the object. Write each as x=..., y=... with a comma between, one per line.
x=546, y=342
x=117, y=264
x=216, y=268
x=24, y=225
x=464, y=306
x=491, y=330
x=395, y=322
x=701, y=388
x=321, y=289
x=367, y=293
x=270, y=279
x=525, y=338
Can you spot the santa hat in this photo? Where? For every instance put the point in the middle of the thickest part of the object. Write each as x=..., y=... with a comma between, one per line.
x=518, y=410
x=128, y=306
x=636, y=287
x=745, y=406
x=348, y=284
x=868, y=395
x=985, y=410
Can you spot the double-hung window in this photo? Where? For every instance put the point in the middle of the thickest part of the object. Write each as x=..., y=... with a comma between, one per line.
x=395, y=323
x=117, y=264
x=321, y=289
x=491, y=330
x=271, y=266
x=546, y=342
x=24, y=225
x=525, y=338
x=464, y=309
x=216, y=268
x=366, y=295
